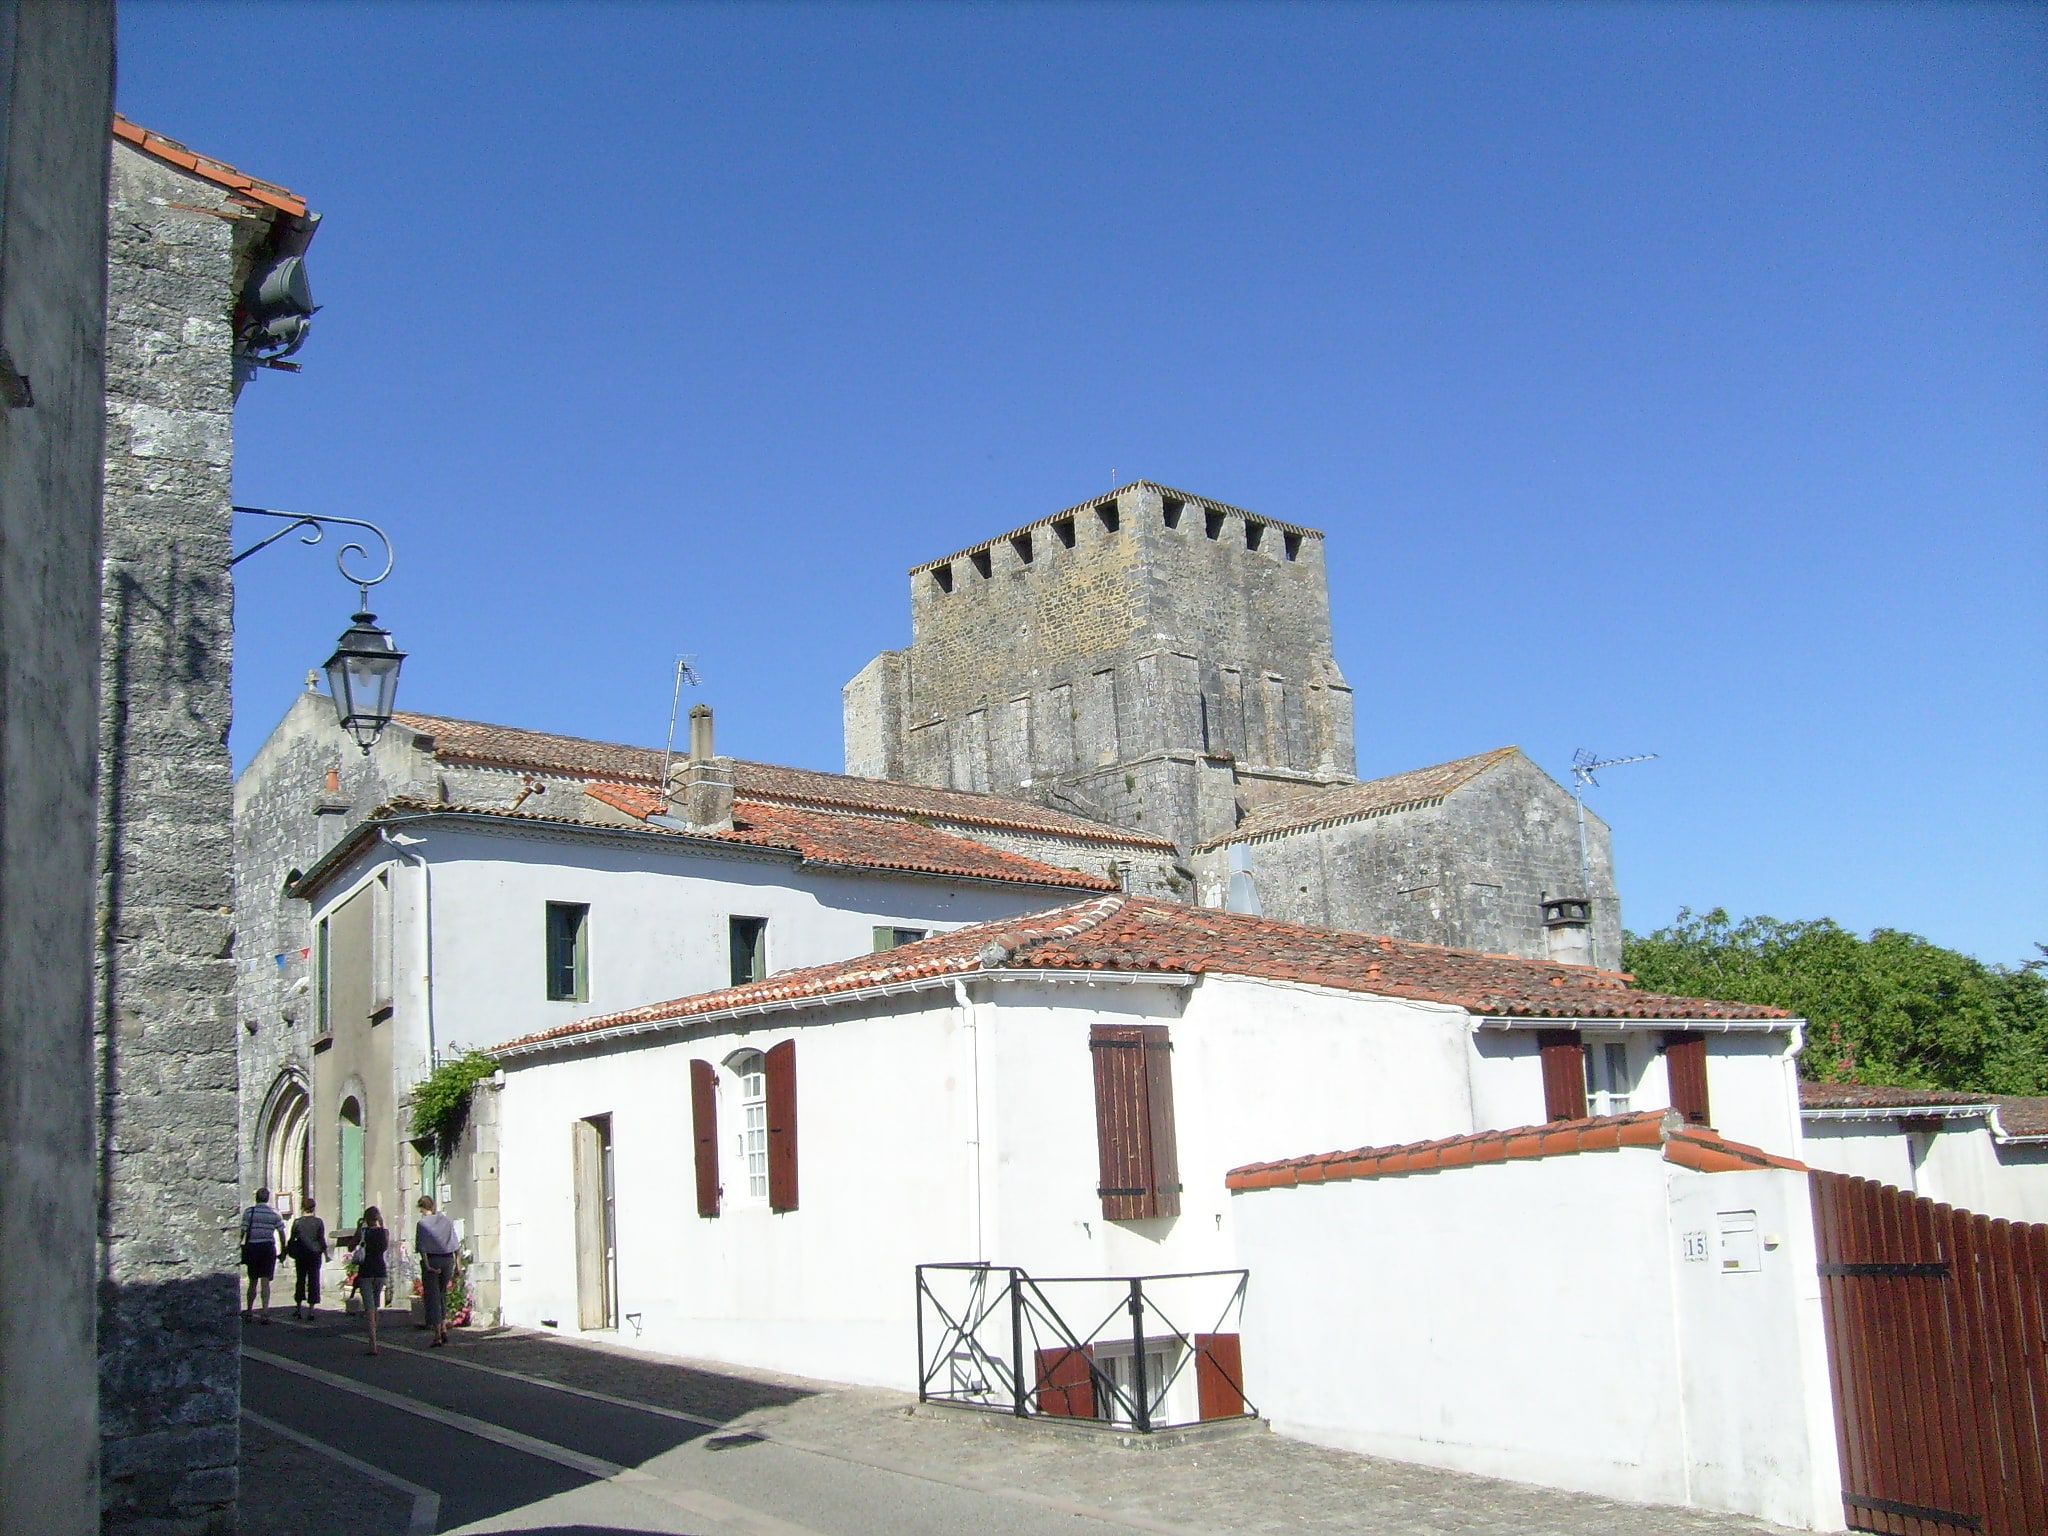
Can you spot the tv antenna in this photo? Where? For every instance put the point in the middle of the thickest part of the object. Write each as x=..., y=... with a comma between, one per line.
x=686, y=672
x=1584, y=765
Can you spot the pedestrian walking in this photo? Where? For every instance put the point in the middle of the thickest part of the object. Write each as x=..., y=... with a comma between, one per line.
x=261, y=1229
x=434, y=1238
x=307, y=1249
x=371, y=1244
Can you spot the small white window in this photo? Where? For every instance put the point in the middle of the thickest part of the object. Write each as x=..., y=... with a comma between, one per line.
x=1609, y=1080
x=752, y=1072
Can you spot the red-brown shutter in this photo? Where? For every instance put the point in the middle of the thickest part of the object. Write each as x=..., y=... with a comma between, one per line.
x=1219, y=1376
x=1066, y=1383
x=780, y=1062
x=1165, y=1154
x=704, y=1123
x=1136, y=1159
x=1564, y=1074
x=1685, y=1063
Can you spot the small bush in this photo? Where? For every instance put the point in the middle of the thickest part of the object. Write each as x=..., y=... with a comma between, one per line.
x=440, y=1104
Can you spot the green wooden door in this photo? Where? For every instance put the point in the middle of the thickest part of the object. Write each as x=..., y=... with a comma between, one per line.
x=351, y=1168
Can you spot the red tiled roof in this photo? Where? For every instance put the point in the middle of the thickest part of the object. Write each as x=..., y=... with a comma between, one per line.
x=1695, y=1147
x=818, y=837
x=219, y=172
x=1416, y=788
x=1138, y=933
x=2018, y=1114
x=504, y=746
x=2023, y=1115
x=1866, y=1096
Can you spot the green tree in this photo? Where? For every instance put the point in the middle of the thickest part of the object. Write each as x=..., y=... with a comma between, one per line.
x=1888, y=1009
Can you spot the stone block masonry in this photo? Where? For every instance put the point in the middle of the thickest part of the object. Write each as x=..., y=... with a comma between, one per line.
x=1095, y=659
x=56, y=93
x=164, y=1039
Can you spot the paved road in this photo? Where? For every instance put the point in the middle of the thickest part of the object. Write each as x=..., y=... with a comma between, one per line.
x=508, y=1451
x=519, y=1432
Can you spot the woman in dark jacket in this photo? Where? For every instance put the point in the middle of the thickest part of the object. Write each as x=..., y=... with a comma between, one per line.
x=371, y=1244
x=306, y=1247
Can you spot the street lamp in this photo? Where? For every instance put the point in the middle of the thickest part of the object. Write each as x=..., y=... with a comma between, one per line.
x=362, y=678
x=362, y=674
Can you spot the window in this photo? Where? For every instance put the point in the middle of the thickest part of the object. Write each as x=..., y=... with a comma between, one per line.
x=891, y=938
x=1110, y=518
x=1609, y=1082
x=1170, y=510
x=1685, y=1064
x=322, y=1018
x=568, y=955
x=752, y=1070
x=1063, y=528
x=748, y=941
x=1134, y=1133
x=380, y=948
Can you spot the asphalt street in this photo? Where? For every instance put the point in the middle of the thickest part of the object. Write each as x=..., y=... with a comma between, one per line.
x=507, y=1451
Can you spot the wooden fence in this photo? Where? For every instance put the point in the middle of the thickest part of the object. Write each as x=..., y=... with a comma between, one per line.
x=1937, y=1329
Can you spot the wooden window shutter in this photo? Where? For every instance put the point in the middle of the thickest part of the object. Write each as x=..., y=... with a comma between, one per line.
x=1685, y=1063
x=780, y=1063
x=1219, y=1375
x=1066, y=1382
x=1564, y=1074
x=704, y=1124
x=1137, y=1162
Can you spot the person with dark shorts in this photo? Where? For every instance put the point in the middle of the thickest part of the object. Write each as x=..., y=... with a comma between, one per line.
x=434, y=1237
x=307, y=1249
x=372, y=1242
x=262, y=1227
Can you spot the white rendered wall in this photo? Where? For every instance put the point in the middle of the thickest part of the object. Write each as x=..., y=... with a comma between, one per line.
x=825, y=1290
x=1536, y=1320
x=1961, y=1164
x=1752, y=1083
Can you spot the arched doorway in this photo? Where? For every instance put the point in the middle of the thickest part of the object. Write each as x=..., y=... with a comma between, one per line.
x=287, y=1163
x=351, y=1164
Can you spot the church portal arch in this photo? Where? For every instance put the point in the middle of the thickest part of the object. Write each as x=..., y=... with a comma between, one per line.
x=284, y=1150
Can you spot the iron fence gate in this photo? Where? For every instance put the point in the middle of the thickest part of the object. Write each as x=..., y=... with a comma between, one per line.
x=1142, y=1352
x=1937, y=1331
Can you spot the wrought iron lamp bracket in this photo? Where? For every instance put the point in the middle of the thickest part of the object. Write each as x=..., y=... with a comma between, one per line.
x=315, y=525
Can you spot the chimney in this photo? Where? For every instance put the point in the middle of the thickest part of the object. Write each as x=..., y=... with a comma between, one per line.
x=700, y=789
x=1568, y=929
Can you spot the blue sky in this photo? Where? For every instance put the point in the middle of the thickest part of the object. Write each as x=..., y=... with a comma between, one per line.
x=1667, y=378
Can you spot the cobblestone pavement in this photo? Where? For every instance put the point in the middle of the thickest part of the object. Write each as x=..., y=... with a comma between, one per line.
x=1252, y=1483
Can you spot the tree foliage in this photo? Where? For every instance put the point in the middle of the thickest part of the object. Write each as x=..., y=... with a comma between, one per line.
x=440, y=1103
x=1890, y=1009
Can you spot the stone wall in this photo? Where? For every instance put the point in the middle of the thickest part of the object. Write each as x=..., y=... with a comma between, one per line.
x=56, y=89
x=164, y=1032
x=1125, y=639
x=1471, y=871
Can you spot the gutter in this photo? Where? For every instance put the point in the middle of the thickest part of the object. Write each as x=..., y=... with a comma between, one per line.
x=1870, y=1114
x=943, y=981
x=1622, y=1021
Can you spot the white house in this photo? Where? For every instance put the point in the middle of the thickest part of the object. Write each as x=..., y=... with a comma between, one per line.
x=1064, y=1093
x=1979, y=1151
x=437, y=926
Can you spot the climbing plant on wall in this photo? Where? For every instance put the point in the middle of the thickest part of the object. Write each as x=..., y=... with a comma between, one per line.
x=440, y=1102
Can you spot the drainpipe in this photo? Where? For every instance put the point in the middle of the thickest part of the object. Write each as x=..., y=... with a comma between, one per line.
x=974, y=1088
x=400, y=846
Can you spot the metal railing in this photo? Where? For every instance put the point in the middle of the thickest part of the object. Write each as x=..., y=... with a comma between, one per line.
x=990, y=1337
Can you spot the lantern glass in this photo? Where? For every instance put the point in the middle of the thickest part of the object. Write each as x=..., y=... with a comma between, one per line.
x=362, y=677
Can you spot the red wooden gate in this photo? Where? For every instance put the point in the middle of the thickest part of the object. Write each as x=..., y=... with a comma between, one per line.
x=1937, y=1329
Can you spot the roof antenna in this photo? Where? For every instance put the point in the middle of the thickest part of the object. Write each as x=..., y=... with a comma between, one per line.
x=686, y=672
x=1584, y=765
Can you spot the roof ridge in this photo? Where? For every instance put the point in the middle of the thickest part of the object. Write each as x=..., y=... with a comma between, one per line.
x=1105, y=907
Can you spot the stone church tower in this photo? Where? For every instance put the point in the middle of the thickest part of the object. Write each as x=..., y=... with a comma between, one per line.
x=1149, y=658
x=1163, y=662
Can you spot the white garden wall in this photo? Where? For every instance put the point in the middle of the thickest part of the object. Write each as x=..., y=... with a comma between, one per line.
x=1540, y=1320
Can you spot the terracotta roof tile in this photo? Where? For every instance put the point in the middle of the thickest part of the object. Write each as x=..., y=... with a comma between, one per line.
x=1137, y=933
x=1412, y=790
x=1688, y=1146
x=219, y=172
x=2018, y=1114
x=504, y=746
x=818, y=837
